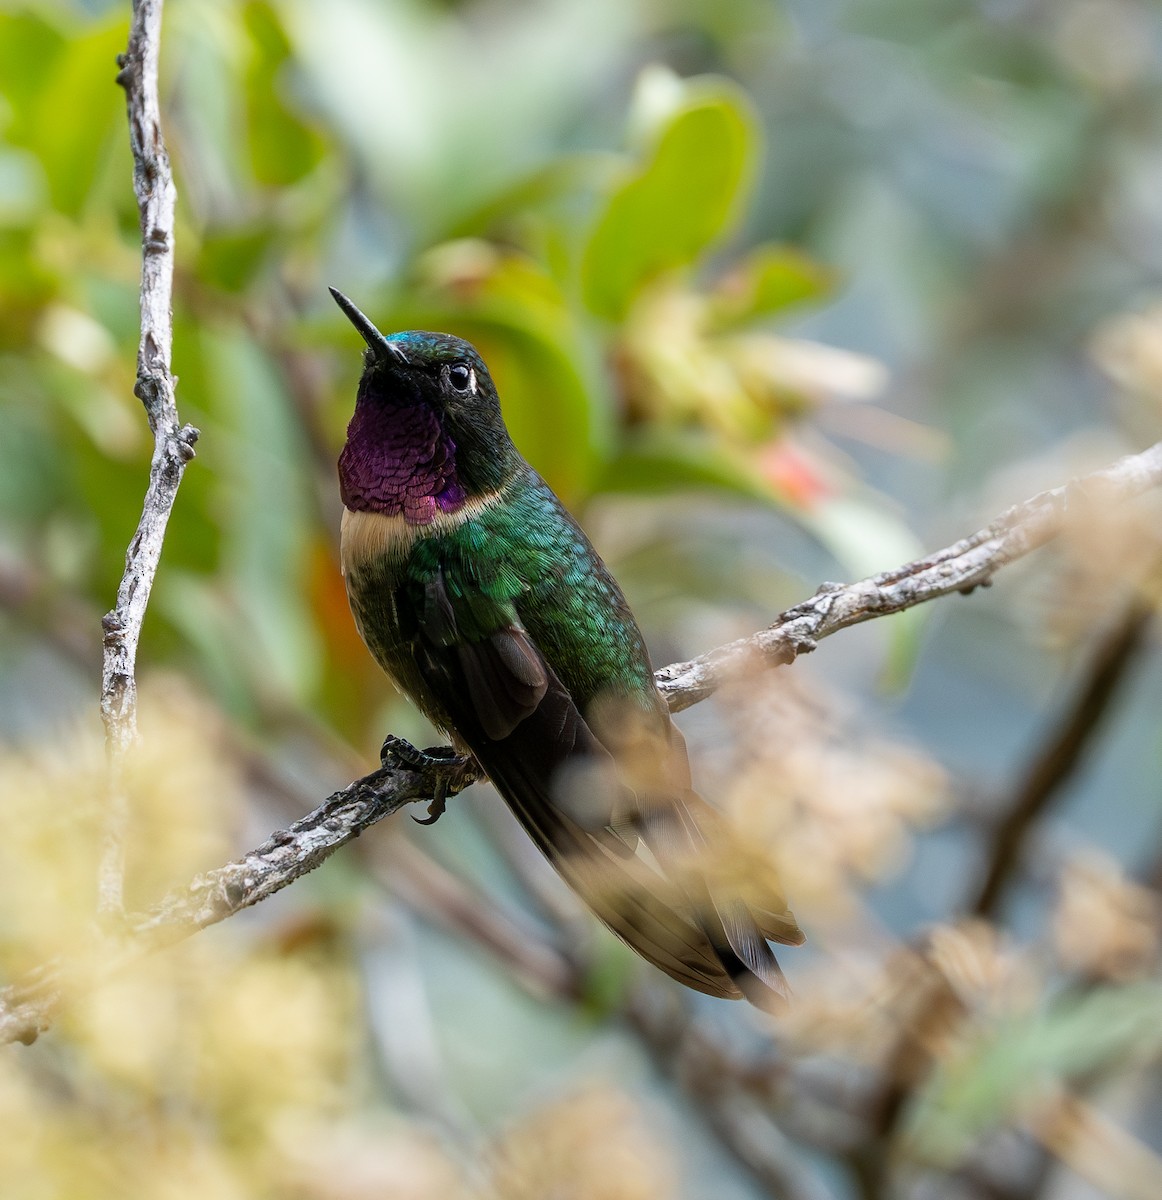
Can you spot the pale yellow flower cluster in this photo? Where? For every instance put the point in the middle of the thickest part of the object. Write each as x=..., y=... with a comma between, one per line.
x=679, y=367
x=171, y=1078
x=593, y=1145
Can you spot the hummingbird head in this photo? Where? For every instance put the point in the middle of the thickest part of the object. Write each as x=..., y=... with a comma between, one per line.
x=427, y=434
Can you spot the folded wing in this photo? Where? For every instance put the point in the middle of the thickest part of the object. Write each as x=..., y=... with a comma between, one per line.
x=511, y=709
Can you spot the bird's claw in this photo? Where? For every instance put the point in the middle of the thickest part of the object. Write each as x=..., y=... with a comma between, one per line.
x=447, y=765
x=438, y=805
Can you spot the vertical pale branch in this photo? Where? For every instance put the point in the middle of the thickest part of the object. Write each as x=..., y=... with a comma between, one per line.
x=173, y=443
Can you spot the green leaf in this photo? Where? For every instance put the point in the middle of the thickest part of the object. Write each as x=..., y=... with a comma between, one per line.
x=770, y=279
x=862, y=534
x=552, y=414
x=682, y=200
x=230, y=259
x=264, y=492
x=559, y=182
x=26, y=282
x=664, y=460
x=905, y=637
x=203, y=617
x=78, y=112
x=35, y=475
x=282, y=147
x=29, y=50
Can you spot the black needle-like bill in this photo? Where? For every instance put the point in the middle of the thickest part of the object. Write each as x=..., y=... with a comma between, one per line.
x=378, y=343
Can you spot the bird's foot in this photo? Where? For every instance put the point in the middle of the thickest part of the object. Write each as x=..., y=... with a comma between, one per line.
x=396, y=752
x=452, y=771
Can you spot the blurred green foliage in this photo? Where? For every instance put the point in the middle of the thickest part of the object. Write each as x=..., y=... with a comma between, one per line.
x=680, y=201
x=1026, y=1056
x=600, y=286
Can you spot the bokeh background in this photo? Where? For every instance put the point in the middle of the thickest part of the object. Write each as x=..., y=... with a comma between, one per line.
x=775, y=293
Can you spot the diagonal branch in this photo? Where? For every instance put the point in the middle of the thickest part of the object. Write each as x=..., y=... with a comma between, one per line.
x=970, y=563
x=27, y=1008
x=290, y=853
x=173, y=444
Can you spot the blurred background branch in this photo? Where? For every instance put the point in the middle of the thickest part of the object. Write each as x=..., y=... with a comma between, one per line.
x=1064, y=748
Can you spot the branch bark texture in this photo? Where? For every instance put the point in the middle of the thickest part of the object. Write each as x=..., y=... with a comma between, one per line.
x=173, y=442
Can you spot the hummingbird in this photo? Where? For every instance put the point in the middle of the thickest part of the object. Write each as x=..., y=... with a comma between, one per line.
x=486, y=604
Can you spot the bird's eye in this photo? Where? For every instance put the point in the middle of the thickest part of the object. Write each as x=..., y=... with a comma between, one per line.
x=460, y=377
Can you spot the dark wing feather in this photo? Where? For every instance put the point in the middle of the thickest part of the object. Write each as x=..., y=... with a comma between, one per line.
x=504, y=678
x=511, y=709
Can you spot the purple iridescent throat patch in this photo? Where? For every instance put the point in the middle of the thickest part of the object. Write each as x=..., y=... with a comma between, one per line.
x=399, y=460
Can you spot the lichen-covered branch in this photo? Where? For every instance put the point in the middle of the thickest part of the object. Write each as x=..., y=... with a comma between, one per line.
x=292, y=852
x=288, y=854
x=967, y=564
x=173, y=443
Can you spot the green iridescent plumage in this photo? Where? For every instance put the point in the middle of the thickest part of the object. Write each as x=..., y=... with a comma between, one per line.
x=483, y=599
x=522, y=558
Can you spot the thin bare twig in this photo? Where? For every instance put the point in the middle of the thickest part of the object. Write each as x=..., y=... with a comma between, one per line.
x=173, y=443
x=969, y=563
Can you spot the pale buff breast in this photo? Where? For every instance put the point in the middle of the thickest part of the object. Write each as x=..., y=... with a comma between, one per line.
x=373, y=548
x=371, y=537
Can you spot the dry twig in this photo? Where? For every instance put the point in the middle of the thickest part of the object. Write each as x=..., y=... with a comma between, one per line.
x=969, y=563
x=173, y=443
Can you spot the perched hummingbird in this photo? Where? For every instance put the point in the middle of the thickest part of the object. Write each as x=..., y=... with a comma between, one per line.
x=485, y=603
